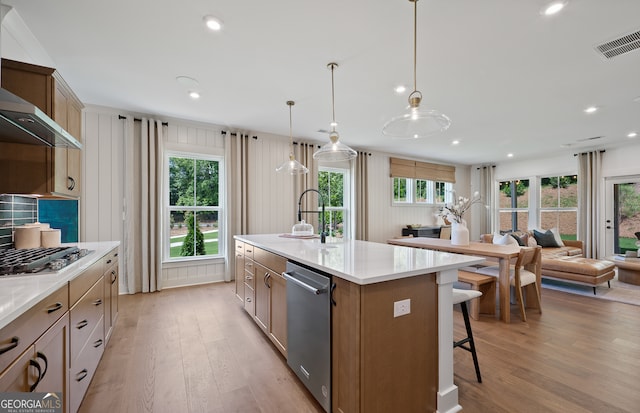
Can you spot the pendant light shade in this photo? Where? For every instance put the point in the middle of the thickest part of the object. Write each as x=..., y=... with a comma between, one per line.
x=291, y=166
x=334, y=150
x=416, y=122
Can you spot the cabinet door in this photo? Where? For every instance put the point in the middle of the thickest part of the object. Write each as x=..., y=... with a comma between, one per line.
x=262, y=297
x=278, y=312
x=52, y=351
x=19, y=376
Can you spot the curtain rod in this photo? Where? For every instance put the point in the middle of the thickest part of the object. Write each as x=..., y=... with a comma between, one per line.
x=486, y=166
x=584, y=153
x=224, y=132
x=140, y=120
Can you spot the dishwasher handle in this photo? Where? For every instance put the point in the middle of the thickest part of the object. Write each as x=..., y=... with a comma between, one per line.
x=310, y=288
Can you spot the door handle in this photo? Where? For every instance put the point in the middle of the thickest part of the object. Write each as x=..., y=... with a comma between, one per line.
x=311, y=289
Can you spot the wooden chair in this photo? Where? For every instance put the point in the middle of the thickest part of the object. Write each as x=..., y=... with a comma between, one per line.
x=461, y=297
x=445, y=232
x=521, y=276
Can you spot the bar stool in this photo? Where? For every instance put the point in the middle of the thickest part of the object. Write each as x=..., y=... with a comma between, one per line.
x=461, y=297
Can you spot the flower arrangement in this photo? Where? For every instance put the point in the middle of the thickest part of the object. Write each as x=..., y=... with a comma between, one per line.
x=455, y=210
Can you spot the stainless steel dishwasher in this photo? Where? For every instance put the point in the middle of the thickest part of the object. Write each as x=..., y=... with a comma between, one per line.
x=309, y=330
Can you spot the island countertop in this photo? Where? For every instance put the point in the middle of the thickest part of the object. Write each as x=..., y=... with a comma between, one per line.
x=360, y=262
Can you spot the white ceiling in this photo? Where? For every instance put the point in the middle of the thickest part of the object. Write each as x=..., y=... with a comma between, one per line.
x=511, y=80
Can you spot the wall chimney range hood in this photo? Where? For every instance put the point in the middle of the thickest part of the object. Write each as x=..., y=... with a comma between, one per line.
x=23, y=122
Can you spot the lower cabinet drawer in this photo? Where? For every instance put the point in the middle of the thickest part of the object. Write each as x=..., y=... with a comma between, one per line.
x=84, y=366
x=84, y=316
x=249, y=305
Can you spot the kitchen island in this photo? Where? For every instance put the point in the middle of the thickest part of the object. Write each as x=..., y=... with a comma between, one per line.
x=381, y=362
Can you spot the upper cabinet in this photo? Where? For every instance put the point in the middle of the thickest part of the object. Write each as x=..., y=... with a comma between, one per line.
x=40, y=169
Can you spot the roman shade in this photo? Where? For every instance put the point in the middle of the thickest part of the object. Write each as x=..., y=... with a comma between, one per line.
x=405, y=168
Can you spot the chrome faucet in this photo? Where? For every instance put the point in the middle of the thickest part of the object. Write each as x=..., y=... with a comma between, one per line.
x=323, y=235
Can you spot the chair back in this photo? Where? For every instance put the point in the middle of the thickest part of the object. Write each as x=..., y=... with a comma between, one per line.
x=445, y=232
x=528, y=255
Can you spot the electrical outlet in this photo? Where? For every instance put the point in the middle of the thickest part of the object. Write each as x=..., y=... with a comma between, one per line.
x=402, y=307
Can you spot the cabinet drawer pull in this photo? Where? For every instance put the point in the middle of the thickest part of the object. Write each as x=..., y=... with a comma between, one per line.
x=34, y=363
x=82, y=374
x=97, y=302
x=82, y=324
x=114, y=277
x=72, y=183
x=109, y=261
x=14, y=343
x=248, y=299
x=97, y=343
x=40, y=355
x=54, y=308
x=248, y=277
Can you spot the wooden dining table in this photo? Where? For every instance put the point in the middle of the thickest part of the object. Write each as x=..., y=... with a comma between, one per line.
x=504, y=254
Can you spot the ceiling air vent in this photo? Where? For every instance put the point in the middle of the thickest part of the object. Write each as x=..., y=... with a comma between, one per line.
x=621, y=45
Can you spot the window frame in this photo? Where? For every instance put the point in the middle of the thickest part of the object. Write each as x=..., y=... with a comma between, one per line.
x=167, y=208
x=558, y=208
x=431, y=189
x=528, y=209
x=346, y=198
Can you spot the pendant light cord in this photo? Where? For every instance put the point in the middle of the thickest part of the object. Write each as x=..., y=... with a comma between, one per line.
x=333, y=101
x=415, y=43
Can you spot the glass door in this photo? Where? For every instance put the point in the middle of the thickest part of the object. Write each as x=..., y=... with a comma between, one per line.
x=622, y=214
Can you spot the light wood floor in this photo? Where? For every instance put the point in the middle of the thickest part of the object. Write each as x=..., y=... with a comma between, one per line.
x=194, y=350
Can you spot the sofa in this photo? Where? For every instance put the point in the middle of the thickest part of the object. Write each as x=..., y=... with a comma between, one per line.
x=564, y=262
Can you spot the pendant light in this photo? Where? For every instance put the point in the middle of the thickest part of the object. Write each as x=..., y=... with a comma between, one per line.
x=334, y=150
x=416, y=122
x=292, y=166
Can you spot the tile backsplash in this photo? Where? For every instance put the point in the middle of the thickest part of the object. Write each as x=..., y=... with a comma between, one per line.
x=15, y=210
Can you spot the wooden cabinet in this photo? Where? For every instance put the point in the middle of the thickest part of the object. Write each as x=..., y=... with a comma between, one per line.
x=249, y=280
x=54, y=171
x=111, y=292
x=239, y=270
x=368, y=373
x=43, y=333
x=87, y=331
x=269, y=290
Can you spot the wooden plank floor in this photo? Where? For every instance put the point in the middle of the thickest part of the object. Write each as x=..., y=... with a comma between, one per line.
x=194, y=350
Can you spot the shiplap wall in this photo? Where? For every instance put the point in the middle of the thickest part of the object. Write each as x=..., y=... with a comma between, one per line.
x=272, y=197
x=101, y=202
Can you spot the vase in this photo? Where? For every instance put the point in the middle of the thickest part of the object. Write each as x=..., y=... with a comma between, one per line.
x=459, y=233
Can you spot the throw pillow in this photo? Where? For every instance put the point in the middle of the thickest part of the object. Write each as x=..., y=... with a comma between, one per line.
x=556, y=235
x=505, y=239
x=545, y=239
x=519, y=240
x=531, y=242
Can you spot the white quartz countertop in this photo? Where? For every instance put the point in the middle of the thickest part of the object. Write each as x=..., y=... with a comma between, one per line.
x=21, y=292
x=360, y=262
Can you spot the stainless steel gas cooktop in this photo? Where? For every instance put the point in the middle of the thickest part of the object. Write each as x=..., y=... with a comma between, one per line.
x=38, y=260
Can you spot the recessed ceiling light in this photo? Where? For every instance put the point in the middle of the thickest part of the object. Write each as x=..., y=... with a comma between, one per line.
x=400, y=89
x=553, y=8
x=591, y=109
x=212, y=23
x=194, y=94
x=456, y=142
x=632, y=135
x=509, y=155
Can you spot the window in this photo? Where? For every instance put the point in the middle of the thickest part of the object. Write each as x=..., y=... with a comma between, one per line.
x=193, y=212
x=559, y=204
x=514, y=205
x=421, y=191
x=332, y=183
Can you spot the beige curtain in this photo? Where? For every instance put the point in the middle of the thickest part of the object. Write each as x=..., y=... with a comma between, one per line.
x=589, y=190
x=487, y=193
x=237, y=153
x=142, y=241
x=304, y=154
x=361, y=204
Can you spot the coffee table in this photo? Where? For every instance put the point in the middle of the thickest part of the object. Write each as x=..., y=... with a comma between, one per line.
x=628, y=269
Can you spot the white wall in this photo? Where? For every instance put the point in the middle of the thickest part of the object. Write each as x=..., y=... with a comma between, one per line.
x=386, y=221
